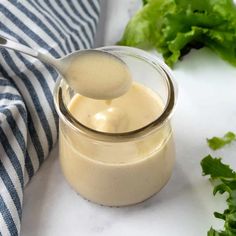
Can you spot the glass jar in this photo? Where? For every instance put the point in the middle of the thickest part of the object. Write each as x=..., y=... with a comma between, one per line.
x=143, y=159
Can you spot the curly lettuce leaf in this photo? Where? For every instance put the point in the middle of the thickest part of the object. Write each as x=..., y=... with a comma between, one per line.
x=173, y=27
x=219, y=142
x=226, y=183
x=145, y=24
x=216, y=169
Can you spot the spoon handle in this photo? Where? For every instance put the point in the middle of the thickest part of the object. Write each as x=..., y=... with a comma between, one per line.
x=7, y=43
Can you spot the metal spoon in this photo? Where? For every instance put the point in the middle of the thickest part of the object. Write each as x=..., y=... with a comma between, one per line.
x=115, y=86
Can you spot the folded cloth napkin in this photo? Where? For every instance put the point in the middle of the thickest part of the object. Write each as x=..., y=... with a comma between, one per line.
x=28, y=120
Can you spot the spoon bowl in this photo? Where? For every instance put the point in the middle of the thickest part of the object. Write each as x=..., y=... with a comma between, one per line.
x=92, y=73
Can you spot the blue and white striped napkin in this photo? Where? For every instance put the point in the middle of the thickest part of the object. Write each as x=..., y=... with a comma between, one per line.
x=28, y=120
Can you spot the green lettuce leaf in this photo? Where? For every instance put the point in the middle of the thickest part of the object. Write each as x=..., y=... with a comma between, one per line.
x=173, y=27
x=219, y=142
x=225, y=182
x=216, y=169
x=145, y=26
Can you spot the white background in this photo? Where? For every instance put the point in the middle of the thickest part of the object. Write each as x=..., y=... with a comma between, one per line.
x=206, y=107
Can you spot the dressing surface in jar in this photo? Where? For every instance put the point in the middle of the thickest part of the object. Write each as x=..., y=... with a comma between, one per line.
x=119, y=152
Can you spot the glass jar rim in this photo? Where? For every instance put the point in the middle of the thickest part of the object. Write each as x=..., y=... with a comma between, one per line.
x=66, y=116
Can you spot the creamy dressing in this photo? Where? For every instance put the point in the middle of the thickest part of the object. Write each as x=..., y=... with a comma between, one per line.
x=98, y=75
x=137, y=108
x=117, y=174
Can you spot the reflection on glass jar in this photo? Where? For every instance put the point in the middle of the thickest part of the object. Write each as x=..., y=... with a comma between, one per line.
x=132, y=159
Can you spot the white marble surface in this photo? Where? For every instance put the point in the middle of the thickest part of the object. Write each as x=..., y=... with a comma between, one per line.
x=206, y=107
